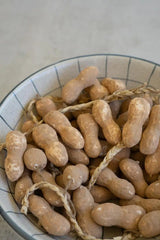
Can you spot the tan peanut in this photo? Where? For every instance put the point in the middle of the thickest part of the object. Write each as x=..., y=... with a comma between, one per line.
x=46, y=138
x=122, y=119
x=148, y=178
x=35, y=159
x=101, y=194
x=98, y=91
x=45, y=105
x=74, y=87
x=77, y=156
x=70, y=135
x=16, y=145
x=105, y=147
x=138, y=113
x=151, y=135
x=74, y=176
x=125, y=105
x=48, y=194
x=121, y=188
x=148, y=204
x=152, y=162
x=53, y=222
x=113, y=84
x=110, y=214
x=103, y=116
x=26, y=127
x=149, y=224
x=21, y=187
x=134, y=174
x=153, y=190
x=89, y=129
x=84, y=203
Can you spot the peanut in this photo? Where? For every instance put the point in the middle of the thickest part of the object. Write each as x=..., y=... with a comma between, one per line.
x=101, y=194
x=134, y=174
x=113, y=84
x=138, y=113
x=74, y=176
x=35, y=159
x=89, y=129
x=77, y=156
x=21, y=187
x=46, y=138
x=153, y=190
x=16, y=145
x=84, y=203
x=74, y=87
x=103, y=116
x=110, y=214
x=53, y=222
x=45, y=105
x=70, y=135
x=98, y=91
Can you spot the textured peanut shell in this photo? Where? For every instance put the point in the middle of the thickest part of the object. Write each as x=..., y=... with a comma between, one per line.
x=89, y=129
x=53, y=222
x=28, y=125
x=21, y=187
x=35, y=159
x=152, y=162
x=115, y=108
x=46, y=138
x=74, y=87
x=74, y=176
x=77, y=156
x=101, y=194
x=153, y=190
x=70, y=135
x=138, y=112
x=84, y=203
x=148, y=204
x=134, y=174
x=45, y=105
x=103, y=116
x=151, y=135
x=113, y=84
x=125, y=105
x=48, y=194
x=110, y=214
x=122, y=119
x=149, y=224
x=98, y=91
x=16, y=145
x=121, y=188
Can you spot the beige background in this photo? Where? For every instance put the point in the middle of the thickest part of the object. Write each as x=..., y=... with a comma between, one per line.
x=35, y=33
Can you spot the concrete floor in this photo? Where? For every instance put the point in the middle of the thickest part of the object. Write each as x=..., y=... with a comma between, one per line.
x=36, y=33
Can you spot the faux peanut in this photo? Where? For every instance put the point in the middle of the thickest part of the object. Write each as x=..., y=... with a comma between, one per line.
x=98, y=91
x=16, y=145
x=74, y=87
x=46, y=138
x=113, y=84
x=77, y=156
x=151, y=135
x=148, y=204
x=84, y=203
x=27, y=126
x=48, y=194
x=101, y=194
x=121, y=188
x=70, y=135
x=149, y=224
x=74, y=176
x=89, y=129
x=110, y=214
x=103, y=116
x=138, y=113
x=53, y=222
x=152, y=162
x=21, y=187
x=45, y=105
x=134, y=174
x=35, y=159
x=153, y=190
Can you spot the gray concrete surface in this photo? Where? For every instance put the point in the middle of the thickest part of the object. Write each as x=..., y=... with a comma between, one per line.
x=35, y=33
